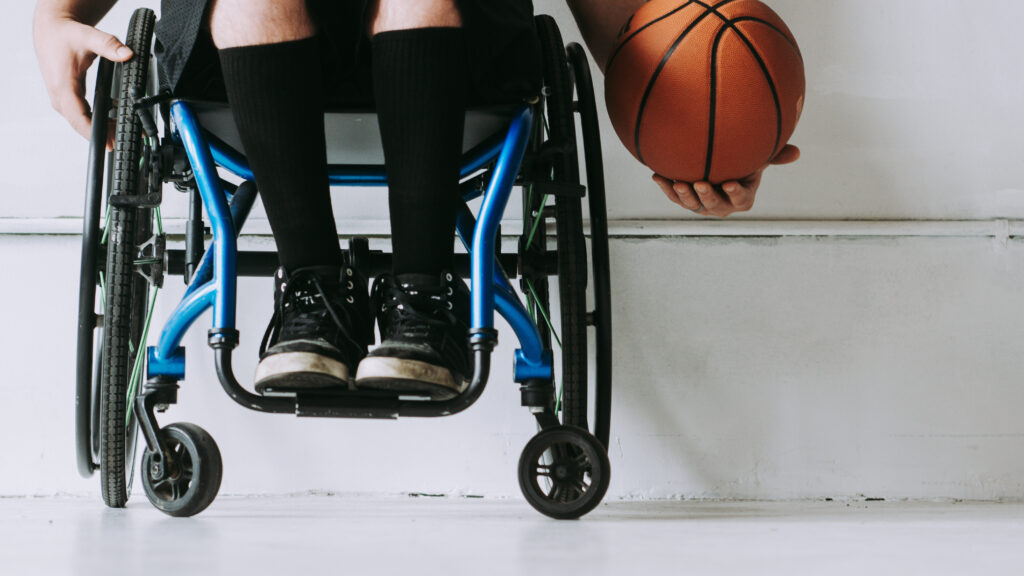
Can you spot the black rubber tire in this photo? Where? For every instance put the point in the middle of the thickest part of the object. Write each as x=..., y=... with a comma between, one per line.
x=600, y=259
x=126, y=296
x=87, y=359
x=194, y=471
x=570, y=241
x=568, y=456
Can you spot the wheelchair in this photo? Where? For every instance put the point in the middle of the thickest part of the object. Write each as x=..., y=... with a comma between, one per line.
x=122, y=382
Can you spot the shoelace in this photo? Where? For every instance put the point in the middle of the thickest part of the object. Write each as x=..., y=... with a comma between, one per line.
x=295, y=291
x=416, y=315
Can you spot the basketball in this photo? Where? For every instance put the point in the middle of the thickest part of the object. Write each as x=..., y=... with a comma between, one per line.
x=705, y=90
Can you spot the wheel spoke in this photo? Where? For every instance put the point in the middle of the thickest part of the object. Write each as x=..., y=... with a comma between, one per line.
x=106, y=227
x=537, y=221
x=136, y=376
x=580, y=486
x=556, y=492
x=552, y=453
x=544, y=313
x=574, y=492
x=562, y=452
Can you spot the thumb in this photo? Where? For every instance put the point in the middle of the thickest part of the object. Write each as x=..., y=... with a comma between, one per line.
x=787, y=155
x=107, y=46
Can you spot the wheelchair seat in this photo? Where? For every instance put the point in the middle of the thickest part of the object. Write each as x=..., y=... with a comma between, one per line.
x=353, y=136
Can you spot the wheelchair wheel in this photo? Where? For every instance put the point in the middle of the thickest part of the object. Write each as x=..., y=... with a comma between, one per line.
x=555, y=146
x=564, y=472
x=124, y=292
x=87, y=375
x=192, y=471
x=601, y=316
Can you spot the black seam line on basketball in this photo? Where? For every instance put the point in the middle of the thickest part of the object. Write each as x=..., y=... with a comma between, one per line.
x=657, y=72
x=714, y=100
x=714, y=10
x=639, y=30
x=771, y=85
x=730, y=25
x=773, y=27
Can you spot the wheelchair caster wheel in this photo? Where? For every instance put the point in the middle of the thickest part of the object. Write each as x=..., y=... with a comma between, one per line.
x=191, y=474
x=564, y=472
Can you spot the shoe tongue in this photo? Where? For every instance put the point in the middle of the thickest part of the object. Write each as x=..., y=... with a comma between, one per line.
x=304, y=290
x=326, y=274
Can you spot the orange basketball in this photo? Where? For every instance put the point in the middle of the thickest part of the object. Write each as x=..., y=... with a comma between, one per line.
x=705, y=90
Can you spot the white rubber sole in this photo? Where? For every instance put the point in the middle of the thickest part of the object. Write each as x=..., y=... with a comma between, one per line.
x=407, y=375
x=304, y=365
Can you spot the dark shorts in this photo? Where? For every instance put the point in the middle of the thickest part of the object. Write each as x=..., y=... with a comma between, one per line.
x=503, y=50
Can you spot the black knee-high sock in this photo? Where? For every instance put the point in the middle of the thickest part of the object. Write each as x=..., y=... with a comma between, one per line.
x=277, y=98
x=420, y=88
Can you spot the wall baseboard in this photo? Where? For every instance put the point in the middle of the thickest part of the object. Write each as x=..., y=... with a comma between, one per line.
x=1000, y=229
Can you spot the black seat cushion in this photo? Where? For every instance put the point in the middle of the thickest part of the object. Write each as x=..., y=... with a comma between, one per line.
x=353, y=136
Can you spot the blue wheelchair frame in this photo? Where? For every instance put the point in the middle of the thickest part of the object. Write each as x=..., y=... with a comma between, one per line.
x=214, y=284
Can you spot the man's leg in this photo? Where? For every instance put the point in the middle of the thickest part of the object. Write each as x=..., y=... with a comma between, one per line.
x=274, y=79
x=420, y=88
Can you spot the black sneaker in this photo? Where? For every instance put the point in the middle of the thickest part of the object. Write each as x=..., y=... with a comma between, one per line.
x=320, y=330
x=424, y=327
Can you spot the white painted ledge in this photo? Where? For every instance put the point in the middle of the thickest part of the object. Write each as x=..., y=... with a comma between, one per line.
x=1003, y=229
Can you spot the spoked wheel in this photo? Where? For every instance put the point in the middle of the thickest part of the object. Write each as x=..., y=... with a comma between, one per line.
x=564, y=472
x=601, y=316
x=555, y=144
x=107, y=384
x=191, y=471
x=557, y=195
x=87, y=375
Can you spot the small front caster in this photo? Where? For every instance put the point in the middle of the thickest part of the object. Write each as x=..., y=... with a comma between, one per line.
x=564, y=472
x=186, y=479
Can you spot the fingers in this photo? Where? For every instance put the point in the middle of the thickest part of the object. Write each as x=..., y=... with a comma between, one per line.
x=111, y=134
x=666, y=188
x=72, y=106
x=714, y=204
x=105, y=45
x=66, y=49
x=687, y=197
x=741, y=197
x=76, y=111
x=733, y=196
x=702, y=198
x=679, y=193
x=787, y=155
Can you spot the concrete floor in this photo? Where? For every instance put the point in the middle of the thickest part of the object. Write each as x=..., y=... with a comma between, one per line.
x=402, y=535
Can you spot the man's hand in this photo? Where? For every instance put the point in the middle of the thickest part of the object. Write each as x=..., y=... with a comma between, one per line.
x=729, y=198
x=66, y=48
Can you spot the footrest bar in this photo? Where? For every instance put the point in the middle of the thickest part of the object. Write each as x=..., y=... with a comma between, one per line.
x=345, y=404
x=264, y=264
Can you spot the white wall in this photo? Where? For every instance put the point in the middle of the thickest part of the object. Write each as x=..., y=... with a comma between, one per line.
x=783, y=354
